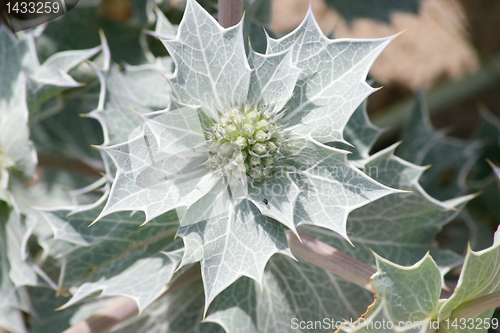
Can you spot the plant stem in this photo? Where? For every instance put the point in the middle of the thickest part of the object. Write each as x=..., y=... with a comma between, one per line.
x=61, y=162
x=331, y=259
x=477, y=306
x=230, y=12
x=335, y=261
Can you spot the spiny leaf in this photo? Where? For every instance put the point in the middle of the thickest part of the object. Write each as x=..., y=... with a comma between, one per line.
x=400, y=227
x=295, y=295
x=115, y=256
x=153, y=181
x=176, y=312
x=423, y=145
x=332, y=188
x=211, y=65
x=408, y=297
x=132, y=90
x=480, y=276
x=360, y=133
x=79, y=29
x=276, y=198
x=16, y=151
x=227, y=243
x=402, y=288
x=401, y=305
x=329, y=66
x=255, y=26
x=273, y=79
x=163, y=28
x=51, y=78
x=27, y=85
x=12, y=296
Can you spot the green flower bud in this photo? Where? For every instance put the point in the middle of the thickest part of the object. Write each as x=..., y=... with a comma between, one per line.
x=271, y=147
x=256, y=174
x=252, y=115
x=248, y=129
x=259, y=148
x=261, y=136
x=263, y=124
x=241, y=142
x=254, y=161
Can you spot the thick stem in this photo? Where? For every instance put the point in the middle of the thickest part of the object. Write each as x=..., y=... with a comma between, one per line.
x=61, y=162
x=477, y=306
x=331, y=259
x=230, y=12
x=335, y=261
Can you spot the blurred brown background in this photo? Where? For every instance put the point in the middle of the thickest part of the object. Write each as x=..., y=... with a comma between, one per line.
x=445, y=43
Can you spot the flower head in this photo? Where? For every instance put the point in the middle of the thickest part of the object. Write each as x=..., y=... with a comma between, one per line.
x=240, y=152
x=246, y=145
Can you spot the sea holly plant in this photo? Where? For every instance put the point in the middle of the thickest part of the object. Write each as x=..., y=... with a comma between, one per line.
x=240, y=150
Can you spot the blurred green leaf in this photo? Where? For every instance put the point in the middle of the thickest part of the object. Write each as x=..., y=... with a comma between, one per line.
x=360, y=133
x=422, y=145
x=180, y=311
x=139, y=89
x=16, y=151
x=114, y=256
x=13, y=298
x=47, y=319
x=291, y=292
x=79, y=29
x=67, y=133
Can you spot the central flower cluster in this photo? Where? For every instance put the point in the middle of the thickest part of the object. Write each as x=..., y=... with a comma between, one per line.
x=246, y=144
